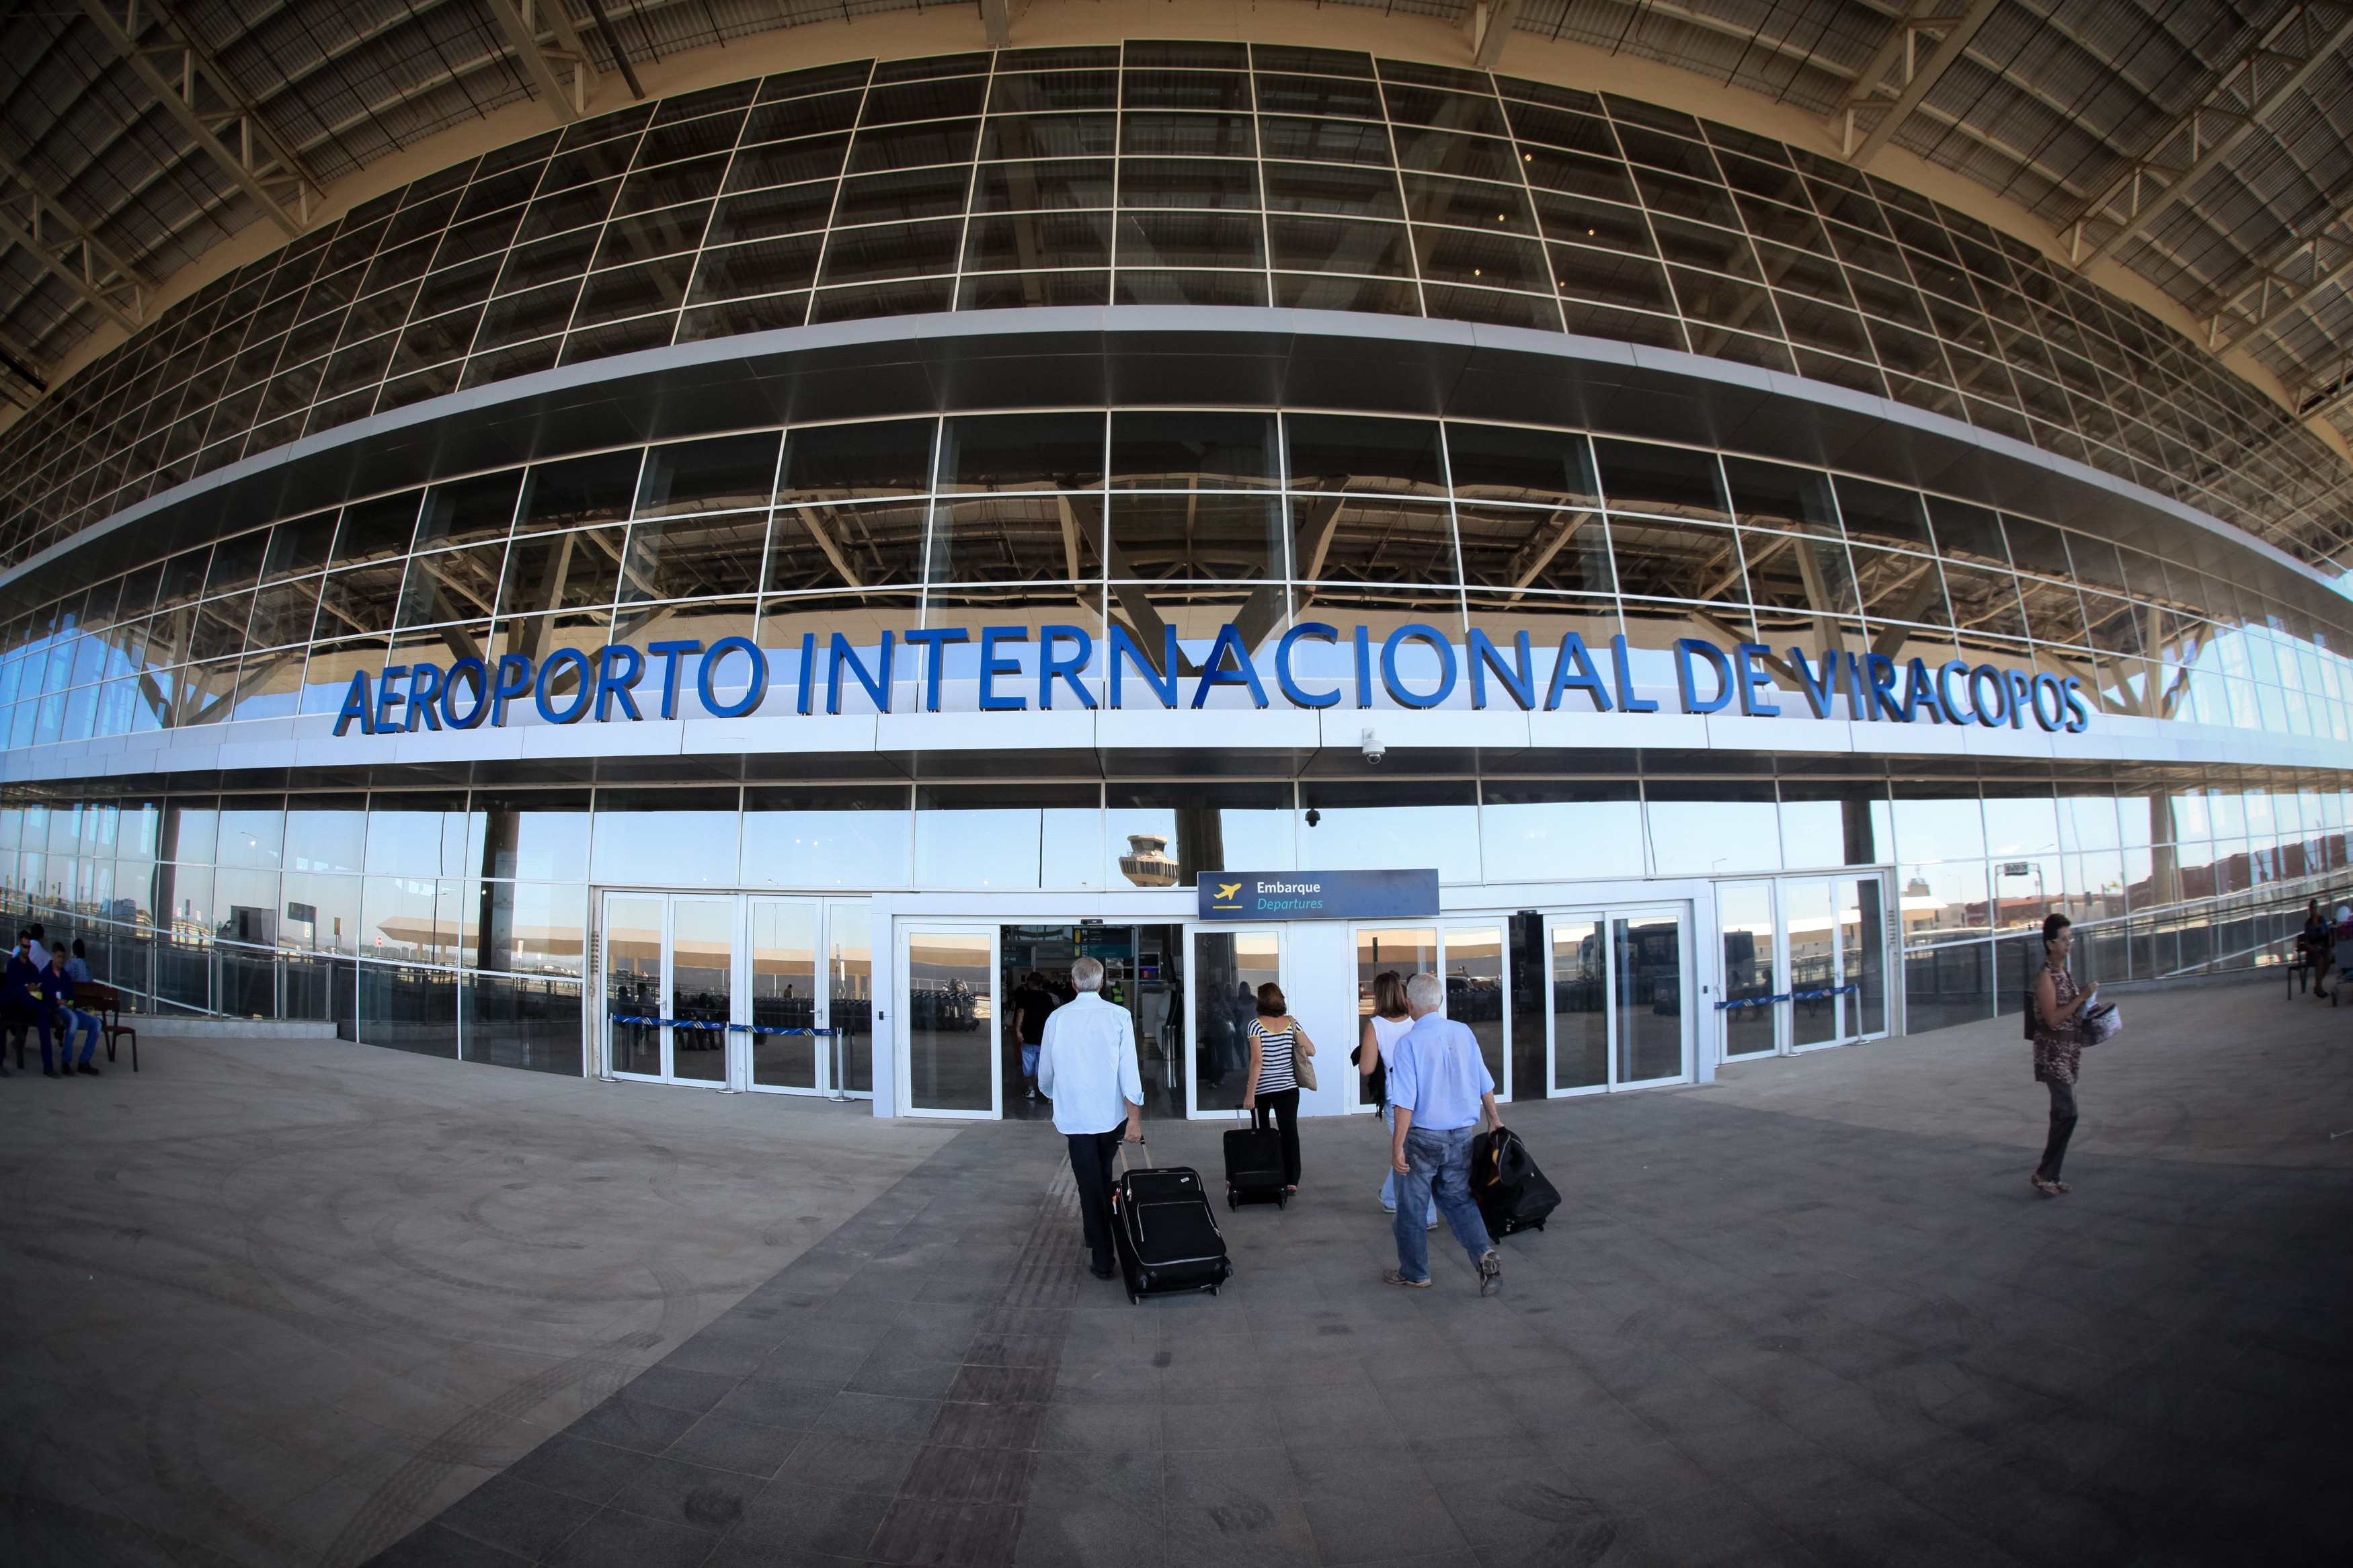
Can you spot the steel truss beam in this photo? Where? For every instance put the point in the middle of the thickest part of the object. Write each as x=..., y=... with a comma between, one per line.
x=2247, y=92
x=2325, y=396
x=1868, y=94
x=194, y=89
x=24, y=366
x=2292, y=279
x=548, y=63
x=70, y=250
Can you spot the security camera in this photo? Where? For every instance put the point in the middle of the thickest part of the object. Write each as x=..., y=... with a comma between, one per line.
x=1374, y=749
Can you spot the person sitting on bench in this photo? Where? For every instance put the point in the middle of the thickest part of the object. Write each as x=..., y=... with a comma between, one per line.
x=58, y=992
x=20, y=1000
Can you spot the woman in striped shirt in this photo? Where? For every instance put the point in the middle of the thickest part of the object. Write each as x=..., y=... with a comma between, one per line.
x=1275, y=1036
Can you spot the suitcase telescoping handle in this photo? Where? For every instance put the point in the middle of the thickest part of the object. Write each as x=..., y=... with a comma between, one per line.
x=1125, y=1164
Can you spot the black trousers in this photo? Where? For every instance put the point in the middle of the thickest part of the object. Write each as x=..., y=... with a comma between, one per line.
x=2063, y=1127
x=1282, y=1108
x=1092, y=1158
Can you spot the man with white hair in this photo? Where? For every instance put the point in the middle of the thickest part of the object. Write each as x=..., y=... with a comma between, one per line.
x=1087, y=1067
x=1442, y=1093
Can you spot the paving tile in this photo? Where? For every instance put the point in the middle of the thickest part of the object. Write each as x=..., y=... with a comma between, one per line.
x=791, y=1406
x=745, y=1447
x=436, y=1545
x=880, y=1417
x=1368, y=1502
x=625, y=1423
x=852, y=1463
x=529, y=1521
x=614, y=1539
x=789, y=1517
x=680, y=1493
x=681, y=1388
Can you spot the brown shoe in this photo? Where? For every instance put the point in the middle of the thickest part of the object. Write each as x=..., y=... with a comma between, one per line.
x=1392, y=1277
x=2047, y=1188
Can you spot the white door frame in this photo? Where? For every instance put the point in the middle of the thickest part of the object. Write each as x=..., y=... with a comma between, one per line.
x=902, y=929
x=746, y=1041
x=1846, y=1008
x=1443, y=924
x=666, y=986
x=1605, y=917
x=1279, y=930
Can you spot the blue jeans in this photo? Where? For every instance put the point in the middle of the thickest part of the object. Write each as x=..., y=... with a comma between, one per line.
x=1390, y=1175
x=76, y=1022
x=1440, y=1163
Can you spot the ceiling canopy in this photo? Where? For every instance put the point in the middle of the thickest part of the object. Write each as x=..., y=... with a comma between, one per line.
x=2206, y=146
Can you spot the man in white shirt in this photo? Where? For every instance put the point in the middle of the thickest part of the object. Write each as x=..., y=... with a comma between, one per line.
x=1087, y=1067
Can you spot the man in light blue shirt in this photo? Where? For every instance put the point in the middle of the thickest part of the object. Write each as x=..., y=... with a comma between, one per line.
x=1086, y=1065
x=1443, y=1094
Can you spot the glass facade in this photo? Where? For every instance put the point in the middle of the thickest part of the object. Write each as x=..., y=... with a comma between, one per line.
x=457, y=923
x=1157, y=522
x=425, y=909
x=1159, y=172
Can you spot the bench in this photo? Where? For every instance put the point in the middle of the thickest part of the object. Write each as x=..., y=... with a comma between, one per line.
x=104, y=1003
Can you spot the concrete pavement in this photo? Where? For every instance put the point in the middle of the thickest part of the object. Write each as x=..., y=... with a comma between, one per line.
x=1810, y=1314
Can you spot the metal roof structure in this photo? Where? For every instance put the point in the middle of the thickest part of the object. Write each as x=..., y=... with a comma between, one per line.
x=2206, y=146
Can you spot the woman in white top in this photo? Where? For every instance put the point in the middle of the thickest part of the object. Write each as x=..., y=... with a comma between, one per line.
x=1387, y=1024
x=1274, y=1037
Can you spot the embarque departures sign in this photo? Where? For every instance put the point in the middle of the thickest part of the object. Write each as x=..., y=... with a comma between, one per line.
x=730, y=679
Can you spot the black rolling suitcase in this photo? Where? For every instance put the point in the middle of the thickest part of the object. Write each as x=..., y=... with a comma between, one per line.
x=1511, y=1193
x=1166, y=1238
x=1254, y=1163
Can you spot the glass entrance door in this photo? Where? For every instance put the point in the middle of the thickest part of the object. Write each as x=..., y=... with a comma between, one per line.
x=1229, y=963
x=786, y=1049
x=951, y=1058
x=1620, y=994
x=669, y=986
x=1805, y=964
x=723, y=990
x=1471, y=955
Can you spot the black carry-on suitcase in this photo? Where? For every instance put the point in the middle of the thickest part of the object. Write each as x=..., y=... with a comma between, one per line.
x=1511, y=1193
x=1166, y=1238
x=1254, y=1163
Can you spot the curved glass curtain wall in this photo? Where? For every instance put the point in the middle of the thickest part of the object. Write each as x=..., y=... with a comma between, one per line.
x=1149, y=519
x=1163, y=172
x=424, y=919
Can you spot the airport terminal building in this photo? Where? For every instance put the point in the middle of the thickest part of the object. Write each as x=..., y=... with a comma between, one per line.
x=717, y=590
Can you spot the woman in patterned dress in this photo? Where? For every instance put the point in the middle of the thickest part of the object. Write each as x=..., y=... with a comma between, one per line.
x=2058, y=1046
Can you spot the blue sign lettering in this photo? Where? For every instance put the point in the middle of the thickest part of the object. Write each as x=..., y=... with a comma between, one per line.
x=1417, y=664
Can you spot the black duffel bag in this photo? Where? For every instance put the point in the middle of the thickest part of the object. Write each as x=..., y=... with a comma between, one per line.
x=1511, y=1193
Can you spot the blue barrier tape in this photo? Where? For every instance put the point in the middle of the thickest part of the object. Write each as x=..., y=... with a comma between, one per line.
x=1788, y=996
x=712, y=1024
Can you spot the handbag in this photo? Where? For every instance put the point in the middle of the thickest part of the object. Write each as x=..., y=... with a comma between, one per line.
x=2100, y=1025
x=1303, y=1066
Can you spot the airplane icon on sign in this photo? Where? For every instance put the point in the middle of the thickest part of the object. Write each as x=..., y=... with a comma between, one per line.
x=1228, y=892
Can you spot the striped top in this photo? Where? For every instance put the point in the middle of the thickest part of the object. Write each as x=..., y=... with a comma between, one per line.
x=1275, y=1073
